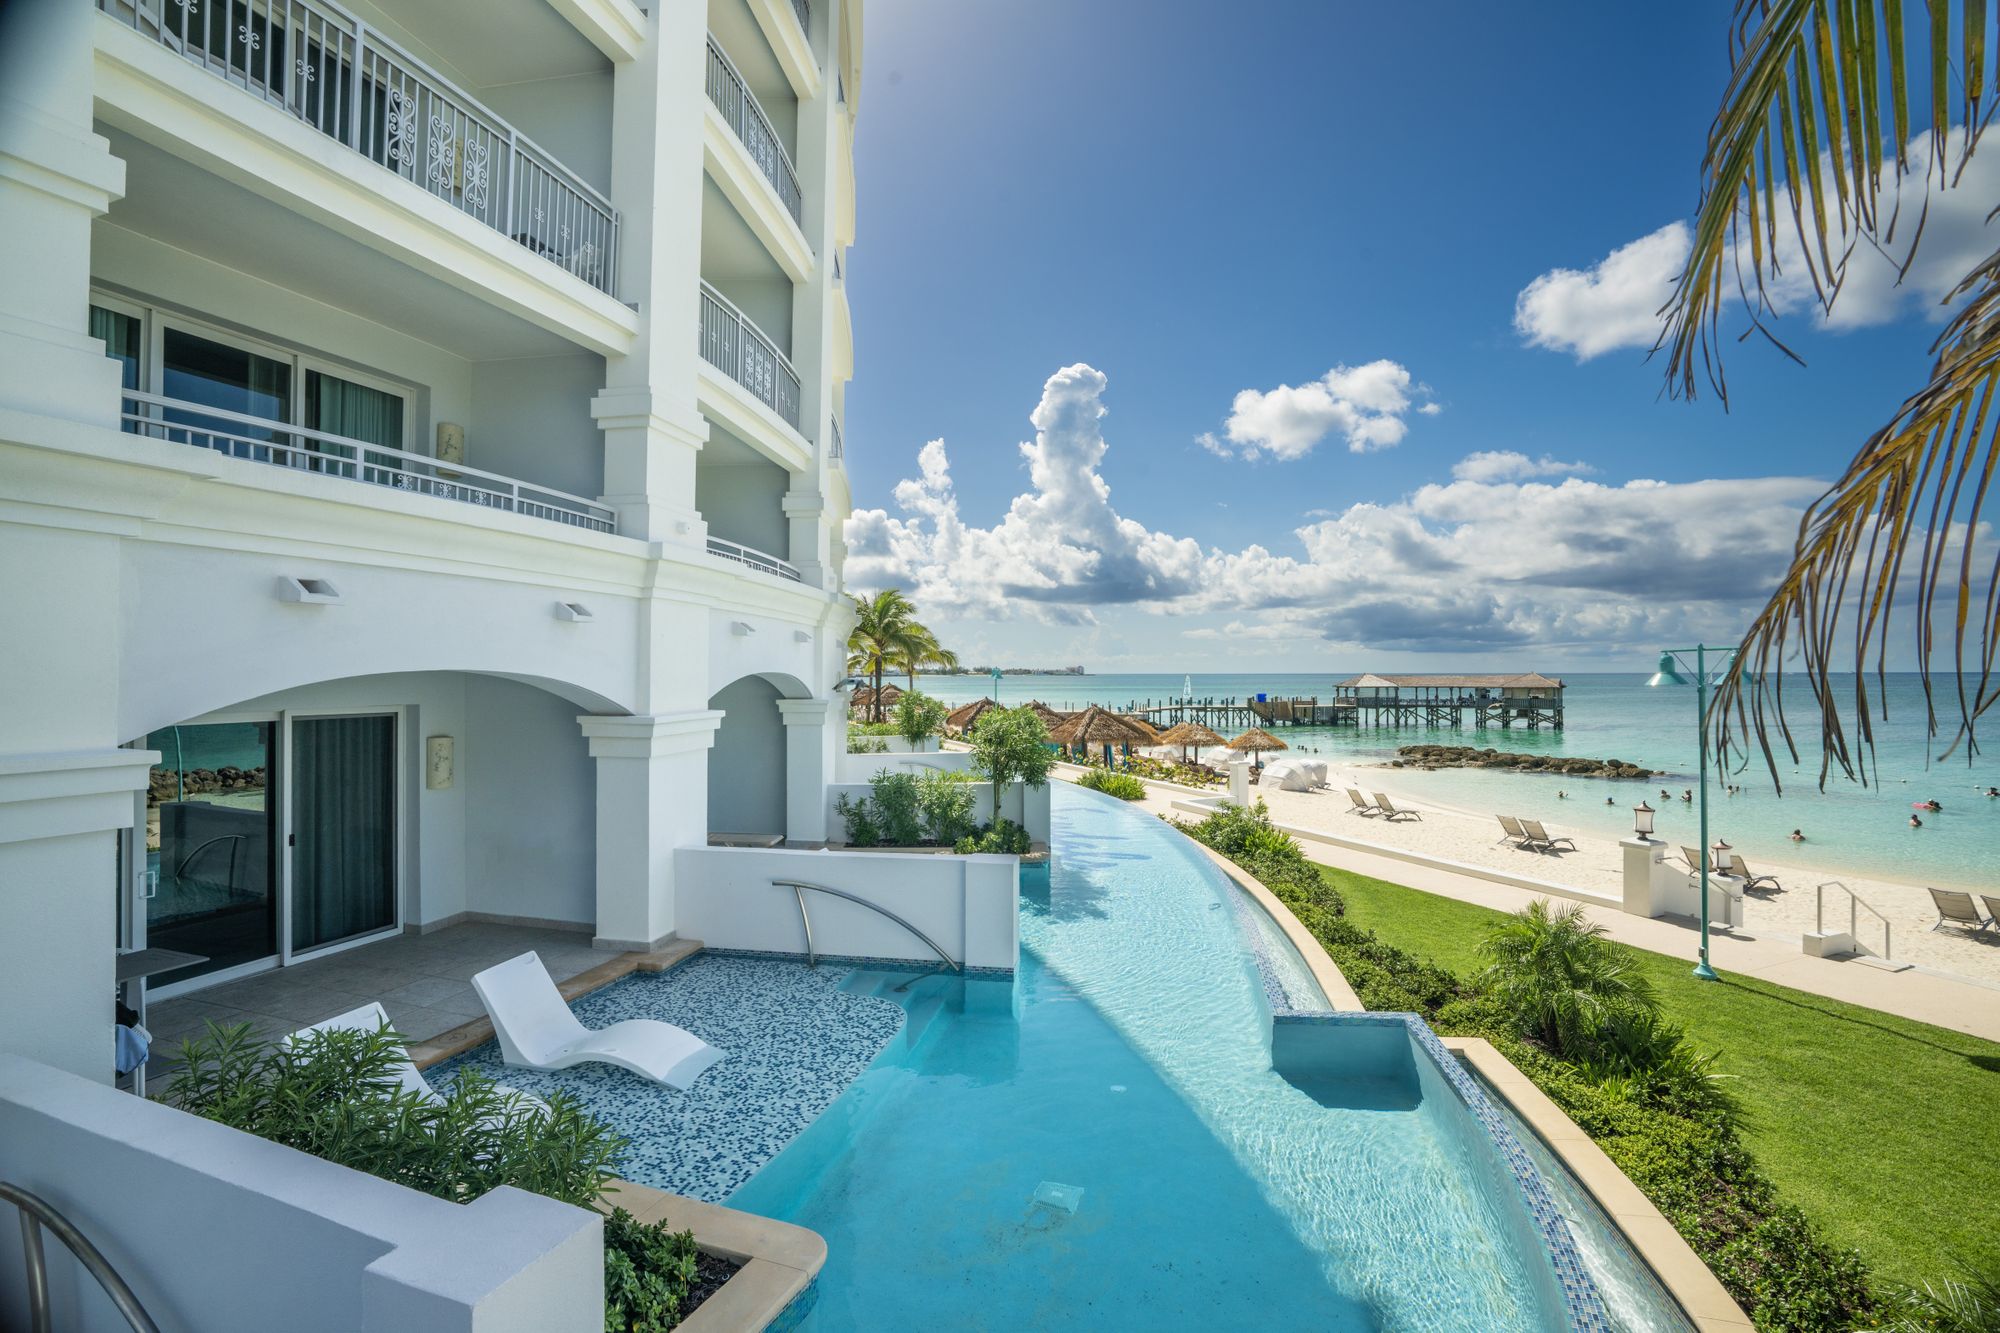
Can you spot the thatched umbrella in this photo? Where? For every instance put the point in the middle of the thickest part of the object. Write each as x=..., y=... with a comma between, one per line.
x=1049, y=716
x=1256, y=740
x=1096, y=726
x=1190, y=733
x=1145, y=728
x=960, y=719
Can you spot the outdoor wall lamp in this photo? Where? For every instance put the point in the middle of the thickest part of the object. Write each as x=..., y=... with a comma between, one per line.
x=1642, y=821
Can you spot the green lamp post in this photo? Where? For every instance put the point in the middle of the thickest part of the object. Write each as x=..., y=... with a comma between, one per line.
x=1669, y=673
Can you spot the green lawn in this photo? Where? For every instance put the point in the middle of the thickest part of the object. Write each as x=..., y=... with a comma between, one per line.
x=1887, y=1132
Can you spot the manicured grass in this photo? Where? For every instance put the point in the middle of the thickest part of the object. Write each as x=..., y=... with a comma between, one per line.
x=1882, y=1129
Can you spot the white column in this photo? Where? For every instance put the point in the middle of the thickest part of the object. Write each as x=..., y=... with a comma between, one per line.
x=652, y=428
x=59, y=816
x=652, y=796
x=56, y=176
x=1641, y=855
x=806, y=517
x=812, y=726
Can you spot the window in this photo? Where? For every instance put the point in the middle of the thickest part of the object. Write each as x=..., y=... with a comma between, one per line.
x=121, y=335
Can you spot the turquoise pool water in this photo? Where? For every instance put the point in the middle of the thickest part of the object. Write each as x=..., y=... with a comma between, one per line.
x=1106, y=1144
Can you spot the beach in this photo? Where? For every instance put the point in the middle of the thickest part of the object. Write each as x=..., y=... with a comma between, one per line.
x=1473, y=838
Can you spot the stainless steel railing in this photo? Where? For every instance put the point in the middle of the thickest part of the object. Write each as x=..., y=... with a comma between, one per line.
x=799, y=887
x=263, y=441
x=38, y=1215
x=316, y=61
x=730, y=341
x=1854, y=907
x=738, y=105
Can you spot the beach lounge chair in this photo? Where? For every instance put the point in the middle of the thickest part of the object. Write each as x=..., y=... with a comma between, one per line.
x=1361, y=805
x=1958, y=909
x=538, y=1030
x=371, y=1017
x=1750, y=881
x=1389, y=810
x=1992, y=906
x=1511, y=831
x=1692, y=855
x=1538, y=834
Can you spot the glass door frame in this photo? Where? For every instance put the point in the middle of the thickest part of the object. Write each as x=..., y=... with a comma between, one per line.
x=399, y=759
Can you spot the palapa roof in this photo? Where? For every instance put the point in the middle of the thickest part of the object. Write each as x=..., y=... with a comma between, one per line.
x=1525, y=681
x=962, y=717
x=1050, y=717
x=1145, y=728
x=1097, y=726
x=1190, y=733
x=1258, y=739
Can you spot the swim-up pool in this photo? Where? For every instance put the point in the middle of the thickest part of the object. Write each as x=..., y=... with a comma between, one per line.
x=1106, y=1142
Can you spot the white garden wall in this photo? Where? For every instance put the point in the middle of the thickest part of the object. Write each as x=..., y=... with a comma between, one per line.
x=1025, y=805
x=219, y=1231
x=968, y=904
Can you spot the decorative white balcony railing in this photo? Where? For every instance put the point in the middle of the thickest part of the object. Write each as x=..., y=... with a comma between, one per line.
x=731, y=342
x=316, y=61
x=803, y=8
x=738, y=105
x=835, y=450
x=264, y=441
x=756, y=559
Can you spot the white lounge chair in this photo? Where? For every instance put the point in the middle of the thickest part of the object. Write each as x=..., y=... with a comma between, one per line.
x=538, y=1030
x=371, y=1017
x=1540, y=836
x=1361, y=805
x=1389, y=810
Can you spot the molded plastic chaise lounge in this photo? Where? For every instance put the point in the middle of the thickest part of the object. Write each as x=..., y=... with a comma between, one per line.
x=1539, y=835
x=371, y=1017
x=538, y=1030
x=1361, y=805
x=1514, y=833
x=1958, y=909
x=1389, y=810
x=1750, y=881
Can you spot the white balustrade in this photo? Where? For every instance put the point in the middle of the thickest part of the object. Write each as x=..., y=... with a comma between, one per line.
x=321, y=64
x=738, y=105
x=731, y=342
x=275, y=442
x=756, y=559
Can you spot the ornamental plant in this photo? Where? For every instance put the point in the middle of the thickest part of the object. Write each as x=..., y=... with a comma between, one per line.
x=918, y=718
x=1009, y=745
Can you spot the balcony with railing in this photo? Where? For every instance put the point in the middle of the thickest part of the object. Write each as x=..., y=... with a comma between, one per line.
x=737, y=347
x=835, y=450
x=260, y=440
x=315, y=61
x=758, y=560
x=738, y=105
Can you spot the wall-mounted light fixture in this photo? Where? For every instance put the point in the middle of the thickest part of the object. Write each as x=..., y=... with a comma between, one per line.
x=742, y=629
x=574, y=611
x=440, y=762
x=307, y=591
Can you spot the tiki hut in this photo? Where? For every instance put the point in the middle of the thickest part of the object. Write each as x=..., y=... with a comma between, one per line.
x=1097, y=726
x=864, y=705
x=1257, y=740
x=1187, y=734
x=1144, y=727
x=1049, y=716
x=960, y=719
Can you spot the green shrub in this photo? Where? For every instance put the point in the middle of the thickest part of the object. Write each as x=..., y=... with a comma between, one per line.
x=1006, y=839
x=871, y=729
x=647, y=1273
x=864, y=745
x=893, y=802
x=1010, y=744
x=919, y=717
x=859, y=816
x=944, y=804
x=1122, y=785
x=1552, y=970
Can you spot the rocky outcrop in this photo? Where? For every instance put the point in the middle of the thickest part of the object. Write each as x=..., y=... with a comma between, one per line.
x=163, y=785
x=1468, y=756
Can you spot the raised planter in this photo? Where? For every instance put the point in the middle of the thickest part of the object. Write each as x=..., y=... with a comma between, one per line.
x=779, y=1260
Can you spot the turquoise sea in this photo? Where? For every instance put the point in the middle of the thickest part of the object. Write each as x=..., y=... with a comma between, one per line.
x=1848, y=826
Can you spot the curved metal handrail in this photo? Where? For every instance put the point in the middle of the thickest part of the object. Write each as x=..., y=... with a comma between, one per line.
x=798, y=888
x=37, y=1213
x=188, y=860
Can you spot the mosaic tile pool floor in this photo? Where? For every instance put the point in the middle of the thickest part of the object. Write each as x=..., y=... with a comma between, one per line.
x=795, y=1041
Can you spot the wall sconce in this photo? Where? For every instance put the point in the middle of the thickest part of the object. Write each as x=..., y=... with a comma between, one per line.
x=802, y=636
x=742, y=629
x=307, y=592
x=1642, y=821
x=574, y=611
x=450, y=447
x=440, y=762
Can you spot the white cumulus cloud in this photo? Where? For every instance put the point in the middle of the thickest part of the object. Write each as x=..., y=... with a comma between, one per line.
x=1613, y=304
x=1512, y=551
x=1365, y=405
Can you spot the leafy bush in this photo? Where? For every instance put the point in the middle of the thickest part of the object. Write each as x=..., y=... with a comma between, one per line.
x=1633, y=1083
x=919, y=717
x=944, y=804
x=859, y=817
x=863, y=745
x=1122, y=785
x=1969, y=1303
x=647, y=1273
x=893, y=801
x=1006, y=839
x=1010, y=744
x=1551, y=970
x=855, y=729
x=909, y=809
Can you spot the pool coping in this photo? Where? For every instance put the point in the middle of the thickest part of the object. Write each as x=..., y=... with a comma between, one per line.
x=1325, y=972
x=1698, y=1292
x=779, y=1260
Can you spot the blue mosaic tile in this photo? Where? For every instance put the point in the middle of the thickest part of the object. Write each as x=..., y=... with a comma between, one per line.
x=795, y=1040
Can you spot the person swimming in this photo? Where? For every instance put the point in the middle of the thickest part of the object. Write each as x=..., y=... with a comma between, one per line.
x=1932, y=805
x=1609, y=801
x=1993, y=791
x=1798, y=836
x=1915, y=822
x=1688, y=795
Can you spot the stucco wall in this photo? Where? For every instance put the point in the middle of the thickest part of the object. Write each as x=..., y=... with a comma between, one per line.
x=531, y=801
x=744, y=503
x=746, y=765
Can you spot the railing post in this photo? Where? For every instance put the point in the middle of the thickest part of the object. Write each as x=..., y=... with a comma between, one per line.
x=513, y=178
x=359, y=90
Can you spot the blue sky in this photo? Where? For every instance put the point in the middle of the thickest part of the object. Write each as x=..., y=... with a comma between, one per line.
x=1196, y=201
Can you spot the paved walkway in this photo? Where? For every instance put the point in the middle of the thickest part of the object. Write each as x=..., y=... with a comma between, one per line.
x=1927, y=997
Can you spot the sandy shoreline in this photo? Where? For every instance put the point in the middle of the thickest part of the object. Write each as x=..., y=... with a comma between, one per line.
x=1596, y=865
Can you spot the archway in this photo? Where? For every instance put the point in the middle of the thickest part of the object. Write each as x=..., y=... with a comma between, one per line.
x=747, y=765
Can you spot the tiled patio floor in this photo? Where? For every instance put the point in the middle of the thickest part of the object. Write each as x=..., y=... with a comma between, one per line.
x=423, y=981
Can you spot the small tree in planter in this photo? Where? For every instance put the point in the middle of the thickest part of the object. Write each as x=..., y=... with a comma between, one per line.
x=1010, y=744
x=918, y=718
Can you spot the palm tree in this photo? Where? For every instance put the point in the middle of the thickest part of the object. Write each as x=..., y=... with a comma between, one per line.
x=1553, y=973
x=885, y=636
x=927, y=652
x=1815, y=89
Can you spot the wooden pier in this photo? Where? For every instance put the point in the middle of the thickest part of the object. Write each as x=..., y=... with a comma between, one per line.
x=1529, y=700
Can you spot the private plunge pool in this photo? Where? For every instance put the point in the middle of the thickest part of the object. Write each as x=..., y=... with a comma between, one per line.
x=1118, y=1140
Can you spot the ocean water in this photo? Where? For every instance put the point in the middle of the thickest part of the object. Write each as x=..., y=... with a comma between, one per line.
x=1849, y=827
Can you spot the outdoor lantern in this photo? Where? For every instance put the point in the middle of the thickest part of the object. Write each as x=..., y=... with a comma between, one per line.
x=1642, y=820
x=1719, y=857
x=1667, y=673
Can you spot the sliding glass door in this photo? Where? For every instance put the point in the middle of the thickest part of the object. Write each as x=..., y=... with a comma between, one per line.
x=343, y=807
x=210, y=830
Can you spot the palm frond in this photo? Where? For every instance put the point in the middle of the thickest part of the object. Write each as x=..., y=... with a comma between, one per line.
x=1905, y=519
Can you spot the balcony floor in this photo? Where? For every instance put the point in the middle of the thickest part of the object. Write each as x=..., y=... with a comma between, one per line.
x=423, y=981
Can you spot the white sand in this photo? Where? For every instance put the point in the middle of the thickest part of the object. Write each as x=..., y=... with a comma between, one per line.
x=1597, y=865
